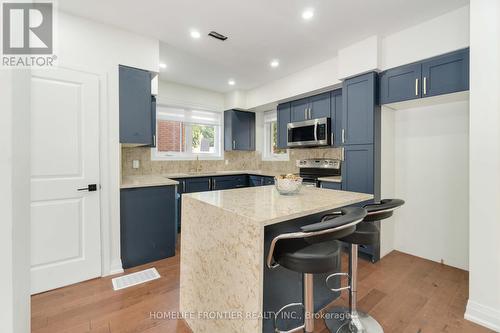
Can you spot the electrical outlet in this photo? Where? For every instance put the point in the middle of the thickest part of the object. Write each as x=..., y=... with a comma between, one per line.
x=226, y=161
x=135, y=164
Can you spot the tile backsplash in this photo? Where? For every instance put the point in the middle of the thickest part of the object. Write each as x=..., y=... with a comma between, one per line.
x=237, y=160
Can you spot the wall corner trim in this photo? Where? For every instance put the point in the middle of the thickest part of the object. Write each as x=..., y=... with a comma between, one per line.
x=116, y=268
x=483, y=315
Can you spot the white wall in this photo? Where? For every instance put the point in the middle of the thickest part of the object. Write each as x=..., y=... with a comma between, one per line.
x=484, y=245
x=431, y=175
x=15, y=201
x=96, y=48
x=439, y=35
x=180, y=94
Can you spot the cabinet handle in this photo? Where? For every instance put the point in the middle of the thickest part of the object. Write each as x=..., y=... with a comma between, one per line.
x=210, y=183
x=343, y=135
x=234, y=144
x=305, y=113
x=183, y=186
x=331, y=138
x=214, y=184
x=425, y=85
x=310, y=113
x=154, y=140
x=416, y=87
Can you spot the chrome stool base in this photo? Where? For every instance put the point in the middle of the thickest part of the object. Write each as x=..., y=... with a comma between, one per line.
x=339, y=320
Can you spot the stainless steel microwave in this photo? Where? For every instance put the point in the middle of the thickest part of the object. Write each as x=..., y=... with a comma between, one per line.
x=309, y=133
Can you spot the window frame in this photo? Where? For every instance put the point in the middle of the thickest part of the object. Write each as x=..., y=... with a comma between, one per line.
x=188, y=155
x=271, y=117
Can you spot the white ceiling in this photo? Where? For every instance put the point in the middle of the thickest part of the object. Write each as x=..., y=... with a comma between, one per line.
x=258, y=31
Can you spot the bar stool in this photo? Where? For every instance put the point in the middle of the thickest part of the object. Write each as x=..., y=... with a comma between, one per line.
x=341, y=320
x=312, y=250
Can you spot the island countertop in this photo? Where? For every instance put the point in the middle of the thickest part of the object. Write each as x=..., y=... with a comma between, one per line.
x=223, y=251
x=266, y=206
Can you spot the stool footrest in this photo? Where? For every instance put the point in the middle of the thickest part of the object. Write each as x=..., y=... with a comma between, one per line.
x=293, y=330
x=340, y=275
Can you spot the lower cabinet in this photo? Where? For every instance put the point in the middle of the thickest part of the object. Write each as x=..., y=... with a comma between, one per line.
x=331, y=185
x=229, y=182
x=147, y=224
x=198, y=184
x=358, y=169
x=254, y=180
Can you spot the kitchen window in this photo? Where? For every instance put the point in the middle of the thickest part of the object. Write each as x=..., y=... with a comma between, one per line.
x=187, y=134
x=271, y=152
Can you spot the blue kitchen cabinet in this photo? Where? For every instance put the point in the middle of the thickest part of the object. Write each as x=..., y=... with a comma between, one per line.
x=401, y=84
x=336, y=118
x=136, y=107
x=254, y=180
x=358, y=169
x=229, y=182
x=300, y=109
x=320, y=106
x=283, y=118
x=197, y=184
x=331, y=185
x=446, y=74
x=358, y=103
x=314, y=107
x=239, y=130
x=147, y=224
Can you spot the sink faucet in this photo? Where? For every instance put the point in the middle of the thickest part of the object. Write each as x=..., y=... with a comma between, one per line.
x=198, y=164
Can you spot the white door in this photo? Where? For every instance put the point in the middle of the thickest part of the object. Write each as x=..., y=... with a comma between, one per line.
x=65, y=222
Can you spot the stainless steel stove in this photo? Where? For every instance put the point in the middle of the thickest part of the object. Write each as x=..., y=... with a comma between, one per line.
x=312, y=169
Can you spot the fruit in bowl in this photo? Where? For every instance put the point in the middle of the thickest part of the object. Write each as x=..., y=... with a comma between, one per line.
x=288, y=184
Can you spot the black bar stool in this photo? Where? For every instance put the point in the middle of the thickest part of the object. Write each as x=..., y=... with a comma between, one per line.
x=312, y=250
x=341, y=320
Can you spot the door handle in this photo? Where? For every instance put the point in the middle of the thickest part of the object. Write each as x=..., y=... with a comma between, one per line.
x=316, y=130
x=90, y=188
x=425, y=85
x=343, y=136
x=416, y=87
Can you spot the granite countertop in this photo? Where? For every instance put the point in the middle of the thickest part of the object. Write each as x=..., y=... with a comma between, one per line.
x=266, y=206
x=333, y=179
x=166, y=179
x=146, y=181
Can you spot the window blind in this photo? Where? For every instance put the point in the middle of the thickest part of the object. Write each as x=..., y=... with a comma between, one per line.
x=188, y=115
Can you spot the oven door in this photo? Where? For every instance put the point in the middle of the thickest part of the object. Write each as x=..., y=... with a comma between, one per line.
x=309, y=133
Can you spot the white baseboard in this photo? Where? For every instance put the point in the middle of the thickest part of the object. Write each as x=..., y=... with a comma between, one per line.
x=483, y=315
x=116, y=267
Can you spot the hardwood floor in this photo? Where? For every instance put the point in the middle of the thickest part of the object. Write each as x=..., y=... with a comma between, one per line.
x=404, y=293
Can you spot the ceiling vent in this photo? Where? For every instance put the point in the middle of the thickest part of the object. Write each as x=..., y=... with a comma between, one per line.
x=217, y=35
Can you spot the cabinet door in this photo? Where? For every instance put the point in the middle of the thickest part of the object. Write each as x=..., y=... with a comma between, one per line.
x=268, y=180
x=358, y=169
x=199, y=184
x=336, y=117
x=255, y=181
x=229, y=182
x=239, y=130
x=331, y=185
x=358, y=106
x=135, y=106
x=147, y=224
x=446, y=74
x=153, y=120
x=283, y=120
x=299, y=109
x=401, y=84
x=320, y=106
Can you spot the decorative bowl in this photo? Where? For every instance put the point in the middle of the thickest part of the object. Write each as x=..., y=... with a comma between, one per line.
x=288, y=186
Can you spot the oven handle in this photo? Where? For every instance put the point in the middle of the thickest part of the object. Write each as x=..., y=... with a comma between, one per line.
x=316, y=130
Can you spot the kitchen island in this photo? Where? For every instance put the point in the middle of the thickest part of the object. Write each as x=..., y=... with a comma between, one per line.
x=225, y=285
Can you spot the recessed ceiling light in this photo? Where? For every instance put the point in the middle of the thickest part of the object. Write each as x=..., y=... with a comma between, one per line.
x=163, y=65
x=195, y=34
x=275, y=63
x=308, y=14
x=231, y=82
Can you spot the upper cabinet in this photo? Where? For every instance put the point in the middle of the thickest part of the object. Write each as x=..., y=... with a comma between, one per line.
x=283, y=118
x=313, y=107
x=358, y=105
x=440, y=75
x=239, y=130
x=137, y=107
x=336, y=117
